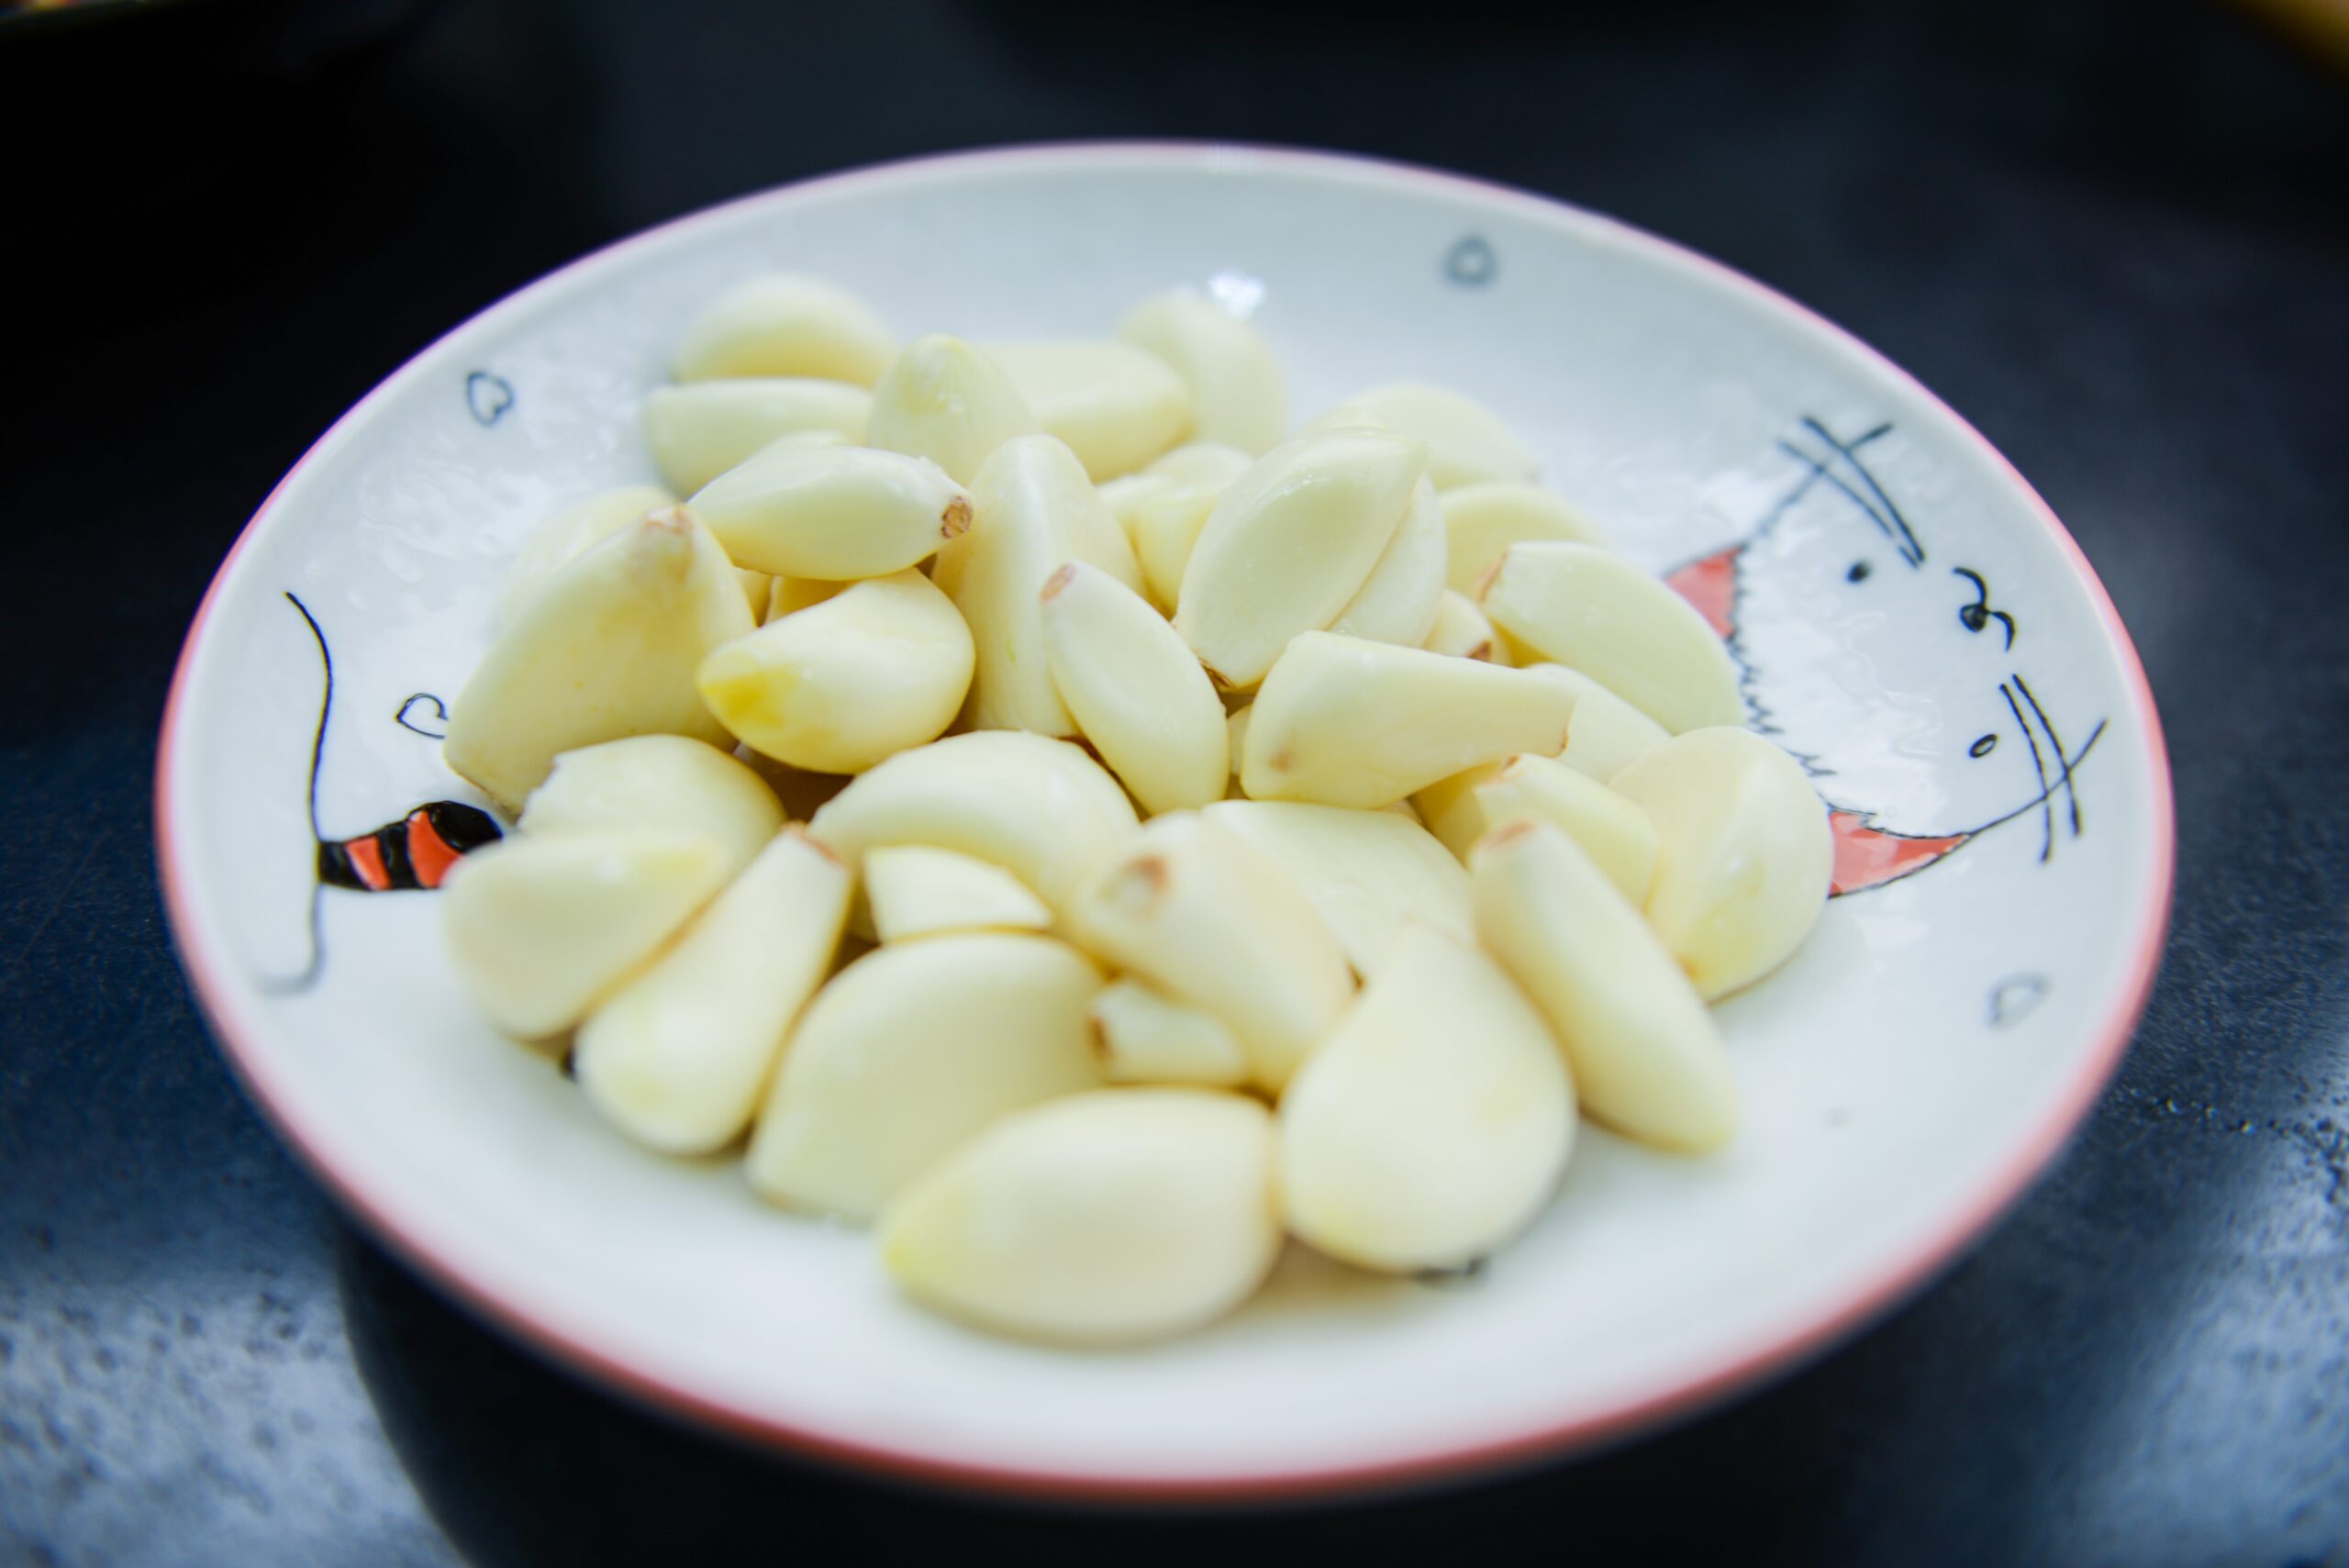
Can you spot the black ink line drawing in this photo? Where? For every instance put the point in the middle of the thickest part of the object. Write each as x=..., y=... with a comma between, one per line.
x=488, y=397
x=1868, y=856
x=439, y=711
x=1979, y=614
x=411, y=853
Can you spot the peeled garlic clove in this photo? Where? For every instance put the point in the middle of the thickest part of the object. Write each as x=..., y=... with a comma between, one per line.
x=1145, y=1038
x=1239, y=397
x=1214, y=921
x=1743, y=853
x=676, y=1058
x=1116, y=407
x=917, y=891
x=700, y=432
x=837, y=686
x=1614, y=832
x=1125, y=493
x=1397, y=602
x=606, y=649
x=1289, y=545
x=1033, y=510
x=1201, y=465
x=540, y=929
x=908, y=1052
x=945, y=400
x=1484, y=520
x=1592, y=611
x=570, y=532
x=1366, y=871
x=1235, y=728
x=1449, y=809
x=1163, y=508
x=657, y=781
x=1041, y=809
x=1431, y=1127
x=834, y=513
x=1462, y=632
x=1608, y=734
x=757, y=587
x=787, y=595
x=1645, y=1055
x=786, y=325
x=1467, y=444
x=1346, y=722
x=1109, y=1217
x=1165, y=529
x=1135, y=689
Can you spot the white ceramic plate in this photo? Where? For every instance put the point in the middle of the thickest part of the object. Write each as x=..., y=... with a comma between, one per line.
x=1912, y=620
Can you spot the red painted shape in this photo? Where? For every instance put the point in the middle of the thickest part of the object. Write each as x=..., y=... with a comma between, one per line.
x=1865, y=857
x=367, y=859
x=427, y=853
x=1709, y=583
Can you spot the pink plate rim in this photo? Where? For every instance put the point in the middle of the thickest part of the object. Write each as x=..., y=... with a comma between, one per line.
x=540, y=1325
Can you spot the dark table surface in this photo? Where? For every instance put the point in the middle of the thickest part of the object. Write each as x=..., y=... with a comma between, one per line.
x=2116, y=236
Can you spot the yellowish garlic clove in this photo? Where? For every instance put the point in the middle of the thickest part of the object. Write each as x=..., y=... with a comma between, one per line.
x=1115, y=405
x=1346, y=722
x=949, y=401
x=785, y=324
x=1146, y=1038
x=1214, y=921
x=786, y=594
x=1482, y=521
x=1111, y=1218
x=700, y=432
x=1033, y=510
x=1366, y=871
x=1608, y=734
x=677, y=1056
x=1644, y=1052
x=1467, y=443
x=1591, y=610
x=1201, y=465
x=657, y=781
x=1041, y=809
x=1743, y=853
x=841, y=685
x=1135, y=689
x=570, y=532
x=1430, y=1127
x=606, y=649
x=914, y=890
x=1238, y=397
x=1398, y=601
x=1613, y=830
x=540, y=929
x=911, y=1052
x=1462, y=632
x=1289, y=543
x=834, y=513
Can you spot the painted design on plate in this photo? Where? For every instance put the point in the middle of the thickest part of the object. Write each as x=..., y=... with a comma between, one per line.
x=488, y=397
x=410, y=853
x=408, y=705
x=2013, y=998
x=1837, y=621
x=1471, y=263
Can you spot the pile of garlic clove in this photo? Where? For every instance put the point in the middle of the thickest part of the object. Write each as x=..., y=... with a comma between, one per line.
x=1025, y=799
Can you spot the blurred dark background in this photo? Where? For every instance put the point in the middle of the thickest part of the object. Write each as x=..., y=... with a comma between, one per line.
x=2115, y=235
